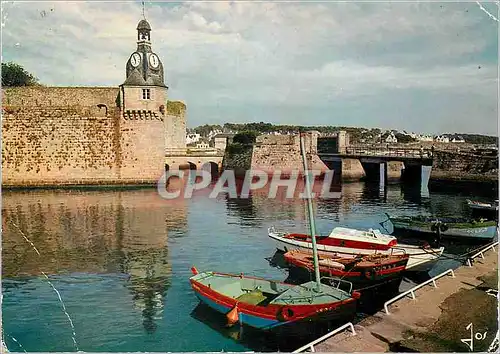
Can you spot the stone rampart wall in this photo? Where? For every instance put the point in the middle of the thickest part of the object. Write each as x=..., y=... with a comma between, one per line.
x=76, y=135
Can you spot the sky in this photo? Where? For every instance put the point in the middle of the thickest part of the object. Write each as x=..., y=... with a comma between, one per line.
x=427, y=67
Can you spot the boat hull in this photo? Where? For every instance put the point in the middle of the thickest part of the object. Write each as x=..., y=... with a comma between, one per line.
x=347, y=312
x=271, y=316
x=359, y=276
x=420, y=259
x=481, y=233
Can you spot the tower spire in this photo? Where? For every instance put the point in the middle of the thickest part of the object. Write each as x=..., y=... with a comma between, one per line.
x=143, y=15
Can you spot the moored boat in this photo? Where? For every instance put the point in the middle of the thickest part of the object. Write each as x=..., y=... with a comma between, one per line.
x=458, y=228
x=361, y=270
x=358, y=242
x=475, y=205
x=267, y=304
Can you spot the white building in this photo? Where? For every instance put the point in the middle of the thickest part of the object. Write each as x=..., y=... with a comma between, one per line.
x=192, y=138
x=391, y=138
x=202, y=145
x=213, y=133
x=222, y=140
x=425, y=138
x=442, y=139
x=458, y=139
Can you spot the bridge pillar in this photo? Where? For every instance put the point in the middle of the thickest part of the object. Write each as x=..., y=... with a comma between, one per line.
x=383, y=175
x=394, y=169
x=374, y=171
x=412, y=173
x=351, y=170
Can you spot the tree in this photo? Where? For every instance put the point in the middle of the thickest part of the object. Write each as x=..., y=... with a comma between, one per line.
x=15, y=75
x=245, y=138
x=403, y=138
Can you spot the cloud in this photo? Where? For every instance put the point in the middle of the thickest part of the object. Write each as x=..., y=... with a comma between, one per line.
x=270, y=61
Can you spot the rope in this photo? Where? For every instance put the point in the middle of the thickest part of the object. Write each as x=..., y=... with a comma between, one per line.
x=377, y=284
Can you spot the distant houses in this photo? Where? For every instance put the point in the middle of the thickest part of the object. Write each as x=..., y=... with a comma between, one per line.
x=392, y=137
x=442, y=139
x=218, y=137
x=458, y=139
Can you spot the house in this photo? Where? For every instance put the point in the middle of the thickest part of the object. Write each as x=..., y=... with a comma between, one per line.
x=202, y=145
x=442, y=139
x=458, y=139
x=213, y=133
x=192, y=138
x=391, y=138
x=424, y=138
x=222, y=140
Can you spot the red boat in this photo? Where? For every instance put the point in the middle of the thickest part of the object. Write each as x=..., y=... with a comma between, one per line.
x=360, y=270
x=266, y=304
x=352, y=242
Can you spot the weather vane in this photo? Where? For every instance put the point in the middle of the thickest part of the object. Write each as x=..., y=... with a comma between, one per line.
x=143, y=15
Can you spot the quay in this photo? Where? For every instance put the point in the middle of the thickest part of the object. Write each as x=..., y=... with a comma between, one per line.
x=431, y=318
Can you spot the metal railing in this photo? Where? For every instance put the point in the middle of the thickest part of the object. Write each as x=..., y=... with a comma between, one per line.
x=388, y=151
x=325, y=337
x=481, y=253
x=412, y=290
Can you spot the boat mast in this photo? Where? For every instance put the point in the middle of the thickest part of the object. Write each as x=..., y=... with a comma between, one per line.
x=311, y=215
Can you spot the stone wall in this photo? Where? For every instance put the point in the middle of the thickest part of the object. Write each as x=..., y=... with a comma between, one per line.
x=238, y=161
x=464, y=166
x=175, y=127
x=76, y=135
x=133, y=100
x=282, y=152
x=394, y=170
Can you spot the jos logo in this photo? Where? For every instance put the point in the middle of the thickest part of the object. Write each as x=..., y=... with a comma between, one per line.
x=470, y=341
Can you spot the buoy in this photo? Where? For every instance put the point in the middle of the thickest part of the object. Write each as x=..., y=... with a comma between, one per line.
x=194, y=270
x=232, y=316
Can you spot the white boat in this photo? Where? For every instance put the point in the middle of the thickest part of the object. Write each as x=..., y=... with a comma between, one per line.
x=475, y=205
x=346, y=241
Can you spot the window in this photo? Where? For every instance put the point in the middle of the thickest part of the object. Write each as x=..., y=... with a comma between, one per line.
x=146, y=94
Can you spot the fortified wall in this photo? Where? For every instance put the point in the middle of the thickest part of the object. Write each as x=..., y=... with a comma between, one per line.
x=56, y=136
x=272, y=153
x=175, y=127
x=464, y=166
x=76, y=135
x=282, y=152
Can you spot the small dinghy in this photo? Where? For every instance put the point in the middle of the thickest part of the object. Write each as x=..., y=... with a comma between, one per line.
x=266, y=304
x=360, y=270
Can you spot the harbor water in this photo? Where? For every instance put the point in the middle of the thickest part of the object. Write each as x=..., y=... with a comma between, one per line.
x=108, y=270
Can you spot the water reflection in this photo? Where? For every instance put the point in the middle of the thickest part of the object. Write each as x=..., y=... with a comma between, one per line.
x=94, y=232
x=121, y=259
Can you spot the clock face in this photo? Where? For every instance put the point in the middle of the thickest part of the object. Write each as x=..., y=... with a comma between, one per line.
x=135, y=59
x=154, y=61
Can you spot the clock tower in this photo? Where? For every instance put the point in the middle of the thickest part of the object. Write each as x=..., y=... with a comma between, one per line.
x=143, y=95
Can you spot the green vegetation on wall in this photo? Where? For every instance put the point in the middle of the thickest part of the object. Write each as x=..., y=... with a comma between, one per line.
x=246, y=137
x=176, y=108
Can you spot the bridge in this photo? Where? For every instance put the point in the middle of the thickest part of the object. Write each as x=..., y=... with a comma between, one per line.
x=381, y=154
x=376, y=162
x=194, y=159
